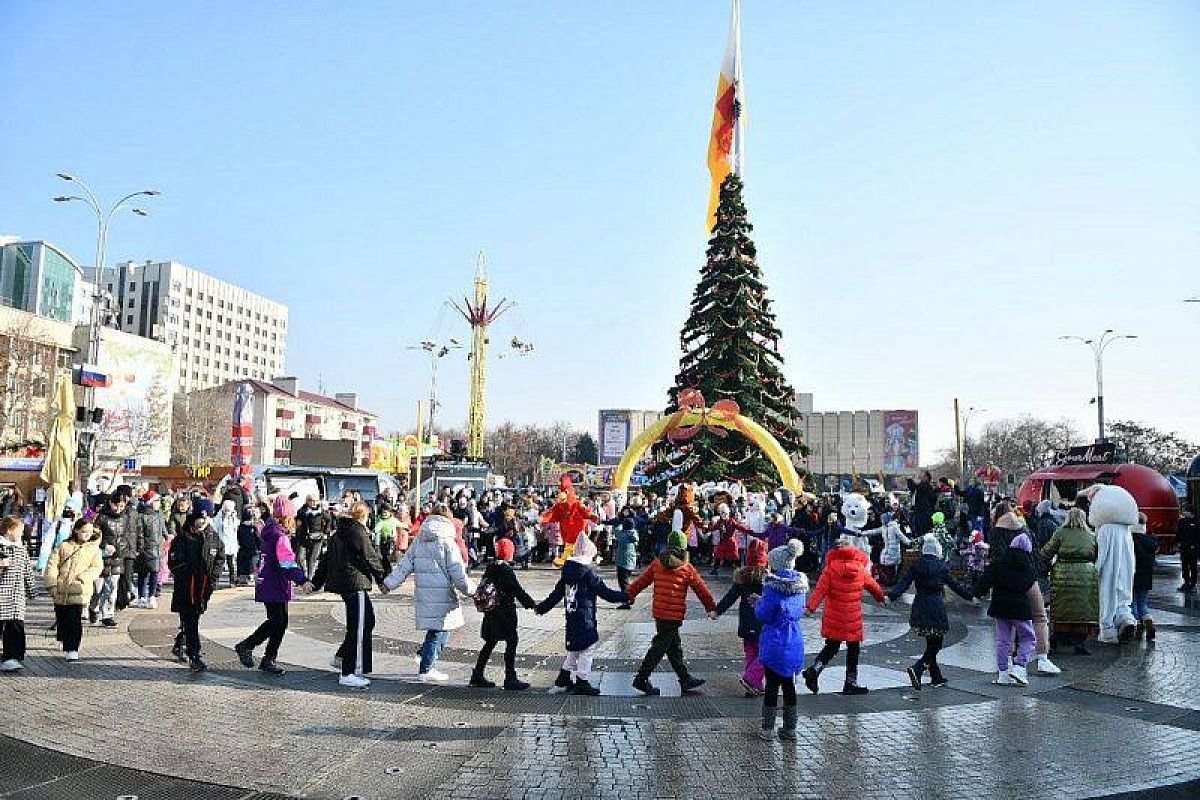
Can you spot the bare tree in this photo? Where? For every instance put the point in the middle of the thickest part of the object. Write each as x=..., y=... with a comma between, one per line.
x=1160, y=450
x=200, y=427
x=1016, y=446
x=28, y=368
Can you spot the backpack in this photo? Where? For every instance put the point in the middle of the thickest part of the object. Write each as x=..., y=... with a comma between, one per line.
x=486, y=597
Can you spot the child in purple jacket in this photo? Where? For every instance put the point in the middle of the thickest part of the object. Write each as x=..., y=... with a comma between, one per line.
x=277, y=572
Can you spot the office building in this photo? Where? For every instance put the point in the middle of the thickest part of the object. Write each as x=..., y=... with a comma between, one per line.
x=859, y=442
x=39, y=278
x=618, y=428
x=218, y=331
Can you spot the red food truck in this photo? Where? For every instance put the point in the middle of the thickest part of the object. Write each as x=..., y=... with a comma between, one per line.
x=1080, y=467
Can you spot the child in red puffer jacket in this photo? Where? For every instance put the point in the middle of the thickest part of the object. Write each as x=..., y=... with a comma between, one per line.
x=847, y=574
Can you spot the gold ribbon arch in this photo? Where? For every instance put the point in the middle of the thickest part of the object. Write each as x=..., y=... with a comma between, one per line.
x=748, y=427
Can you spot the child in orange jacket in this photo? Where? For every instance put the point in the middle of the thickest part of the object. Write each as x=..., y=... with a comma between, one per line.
x=672, y=576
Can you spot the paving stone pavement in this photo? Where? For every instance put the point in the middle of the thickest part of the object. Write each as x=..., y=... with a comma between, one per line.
x=128, y=720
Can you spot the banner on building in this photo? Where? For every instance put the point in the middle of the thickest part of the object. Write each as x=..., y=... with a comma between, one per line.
x=901, y=452
x=615, y=430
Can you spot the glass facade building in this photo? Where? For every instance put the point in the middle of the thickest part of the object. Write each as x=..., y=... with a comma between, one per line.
x=39, y=278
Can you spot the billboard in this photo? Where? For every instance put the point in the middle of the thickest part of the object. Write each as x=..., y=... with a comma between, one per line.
x=615, y=433
x=136, y=399
x=901, y=452
x=322, y=453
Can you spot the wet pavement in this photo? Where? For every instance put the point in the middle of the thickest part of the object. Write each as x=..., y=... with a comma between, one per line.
x=128, y=721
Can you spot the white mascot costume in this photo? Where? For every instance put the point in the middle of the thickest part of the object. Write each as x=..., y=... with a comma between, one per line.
x=1112, y=511
x=854, y=509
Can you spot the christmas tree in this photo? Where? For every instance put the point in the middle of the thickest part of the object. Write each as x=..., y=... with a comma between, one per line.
x=730, y=352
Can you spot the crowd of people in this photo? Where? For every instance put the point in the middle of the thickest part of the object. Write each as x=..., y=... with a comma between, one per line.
x=1054, y=574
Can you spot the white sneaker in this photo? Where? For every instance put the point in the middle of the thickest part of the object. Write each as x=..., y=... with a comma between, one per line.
x=435, y=676
x=12, y=665
x=152, y=602
x=72, y=655
x=354, y=681
x=1019, y=675
x=1047, y=667
x=1005, y=678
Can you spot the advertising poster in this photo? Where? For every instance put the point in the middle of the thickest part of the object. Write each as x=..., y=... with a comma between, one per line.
x=614, y=436
x=900, y=450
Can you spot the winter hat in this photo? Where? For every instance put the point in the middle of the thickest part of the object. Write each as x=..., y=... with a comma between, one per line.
x=228, y=506
x=585, y=550
x=938, y=518
x=1022, y=542
x=784, y=557
x=505, y=549
x=756, y=553
x=677, y=541
x=150, y=496
x=930, y=546
x=282, y=507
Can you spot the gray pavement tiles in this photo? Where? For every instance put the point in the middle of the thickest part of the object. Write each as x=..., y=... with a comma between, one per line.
x=1123, y=720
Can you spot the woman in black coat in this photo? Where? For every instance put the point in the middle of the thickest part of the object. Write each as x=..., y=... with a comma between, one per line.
x=928, y=617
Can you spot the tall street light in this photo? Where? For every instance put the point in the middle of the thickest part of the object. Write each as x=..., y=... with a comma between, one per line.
x=103, y=220
x=1098, y=346
x=967, y=439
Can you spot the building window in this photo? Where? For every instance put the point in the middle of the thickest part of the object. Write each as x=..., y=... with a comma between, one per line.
x=132, y=286
x=130, y=304
x=129, y=319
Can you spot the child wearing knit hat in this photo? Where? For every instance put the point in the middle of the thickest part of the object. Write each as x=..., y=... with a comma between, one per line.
x=578, y=588
x=500, y=617
x=746, y=590
x=928, y=617
x=781, y=643
x=672, y=575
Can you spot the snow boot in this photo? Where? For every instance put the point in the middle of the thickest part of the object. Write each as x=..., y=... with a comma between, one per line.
x=788, y=732
x=811, y=676
x=851, y=685
x=767, y=731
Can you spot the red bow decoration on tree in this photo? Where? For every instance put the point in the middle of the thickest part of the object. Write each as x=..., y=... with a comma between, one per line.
x=691, y=401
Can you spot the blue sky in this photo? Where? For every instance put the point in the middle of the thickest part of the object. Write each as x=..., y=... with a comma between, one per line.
x=938, y=190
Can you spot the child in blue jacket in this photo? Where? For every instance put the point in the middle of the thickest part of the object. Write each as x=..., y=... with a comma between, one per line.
x=781, y=642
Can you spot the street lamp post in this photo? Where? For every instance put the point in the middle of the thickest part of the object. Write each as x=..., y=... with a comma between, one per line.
x=103, y=220
x=967, y=440
x=437, y=351
x=1098, y=346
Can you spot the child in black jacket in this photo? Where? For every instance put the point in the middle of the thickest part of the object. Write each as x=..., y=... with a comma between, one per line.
x=500, y=622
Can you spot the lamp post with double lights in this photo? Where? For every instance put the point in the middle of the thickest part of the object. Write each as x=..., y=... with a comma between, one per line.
x=1098, y=345
x=104, y=219
x=437, y=351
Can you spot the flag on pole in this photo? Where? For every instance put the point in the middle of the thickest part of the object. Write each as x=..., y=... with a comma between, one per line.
x=725, y=144
x=241, y=449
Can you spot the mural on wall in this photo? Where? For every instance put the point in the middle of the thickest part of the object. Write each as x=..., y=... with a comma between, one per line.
x=136, y=403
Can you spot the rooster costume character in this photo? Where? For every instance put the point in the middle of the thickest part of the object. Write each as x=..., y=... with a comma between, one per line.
x=570, y=515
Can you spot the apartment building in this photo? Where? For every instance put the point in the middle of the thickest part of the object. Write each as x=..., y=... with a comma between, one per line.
x=219, y=332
